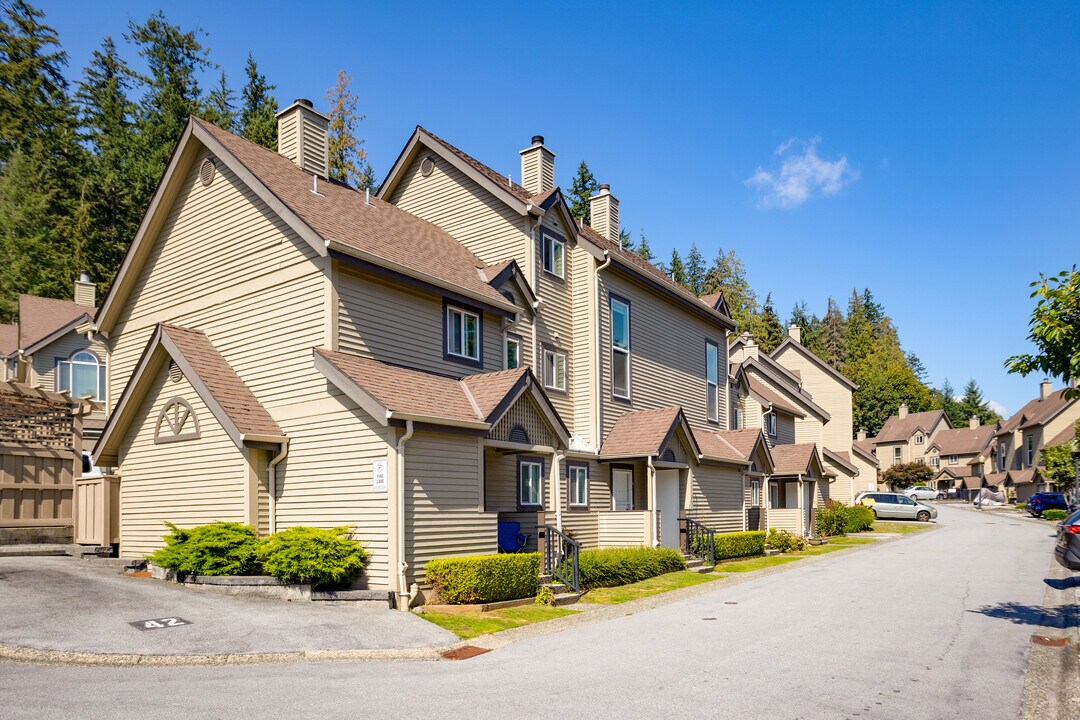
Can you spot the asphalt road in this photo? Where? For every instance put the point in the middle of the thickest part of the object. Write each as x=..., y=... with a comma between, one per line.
x=934, y=626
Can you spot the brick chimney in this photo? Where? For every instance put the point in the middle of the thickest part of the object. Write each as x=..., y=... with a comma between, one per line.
x=1045, y=388
x=302, y=137
x=862, y=435
x=795, y=333
x=537, y=167
x=973, y=422
x=604, y=213
x=750, y=350
x=902, y=412
x=85, y=291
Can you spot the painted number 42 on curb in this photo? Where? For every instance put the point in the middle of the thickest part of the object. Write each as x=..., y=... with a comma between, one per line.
x=158, y=623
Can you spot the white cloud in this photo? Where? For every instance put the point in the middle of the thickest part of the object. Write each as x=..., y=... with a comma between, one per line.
x=998, y=408
x=802, y=175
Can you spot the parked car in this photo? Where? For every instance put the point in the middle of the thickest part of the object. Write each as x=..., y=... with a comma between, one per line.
x=1041, y=501
x=923, y=492
x=895, y=505
x=1067, y=550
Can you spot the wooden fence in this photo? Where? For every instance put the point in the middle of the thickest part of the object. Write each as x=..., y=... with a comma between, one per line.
x=97, y=510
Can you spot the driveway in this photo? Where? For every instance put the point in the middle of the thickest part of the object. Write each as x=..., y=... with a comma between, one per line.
x=59, y=603
x=933, y=626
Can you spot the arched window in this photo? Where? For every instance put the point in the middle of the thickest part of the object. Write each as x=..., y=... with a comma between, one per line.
x=82, y=374
x=175, y=422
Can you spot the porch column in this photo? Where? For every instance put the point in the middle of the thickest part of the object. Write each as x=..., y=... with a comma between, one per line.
x=556, y=495
x=651, y=537
x=802, y=510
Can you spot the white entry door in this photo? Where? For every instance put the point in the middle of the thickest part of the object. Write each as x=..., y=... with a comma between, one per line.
x=667, y=502
x=622, y=489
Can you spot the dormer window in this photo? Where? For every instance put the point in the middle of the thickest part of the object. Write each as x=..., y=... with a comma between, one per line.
x=82, y=374
x=919, y=439
x=554, y=255
x=462, y=335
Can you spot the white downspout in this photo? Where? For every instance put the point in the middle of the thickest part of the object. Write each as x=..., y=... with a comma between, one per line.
x=272, y=482
x=557, y=459
x=404, y=596
x=599, y=349
x=650, y=478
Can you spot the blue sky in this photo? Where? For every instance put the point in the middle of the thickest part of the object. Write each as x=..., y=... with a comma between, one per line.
x=926, y=151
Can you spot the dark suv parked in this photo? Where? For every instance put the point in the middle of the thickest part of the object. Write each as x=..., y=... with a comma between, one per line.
x=1042, y=501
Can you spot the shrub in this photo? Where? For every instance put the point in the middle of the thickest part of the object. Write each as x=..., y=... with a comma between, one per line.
x=1021, y=506
x=322, y=558
x=832, y=518
x=221, y=548
x=1054, y=515
x=858, y=518
x=544, y=596
x=739, y=544
x=784, y=541
x=484, y=578
x=608, y=567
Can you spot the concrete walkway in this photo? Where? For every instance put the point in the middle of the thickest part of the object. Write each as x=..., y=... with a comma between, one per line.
x=72, y=606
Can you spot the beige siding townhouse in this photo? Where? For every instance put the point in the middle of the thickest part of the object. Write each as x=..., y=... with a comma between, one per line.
x=422, y=365
x=954, y=454
x=1016, y=451
x=907, y=437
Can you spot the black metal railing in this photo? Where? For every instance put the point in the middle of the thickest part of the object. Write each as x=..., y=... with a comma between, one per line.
x=561, y=558
x=700, y=542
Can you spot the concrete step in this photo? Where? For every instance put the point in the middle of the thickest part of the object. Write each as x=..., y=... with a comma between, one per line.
x=380, y=597
x=702, y=569
x=692, y=563
x=37, y=550
x=545, y=579
x=555, y=587
x=566, y=598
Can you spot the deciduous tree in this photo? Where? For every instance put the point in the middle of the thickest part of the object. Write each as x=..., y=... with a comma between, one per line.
x=903, y=476
x=1055, y=330
x=348, y=158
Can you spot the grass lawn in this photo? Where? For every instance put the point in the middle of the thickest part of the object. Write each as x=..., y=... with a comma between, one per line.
x=752, y=564
x=645, y=588
x=850, y=540
x=882, y=526
x=470, y=625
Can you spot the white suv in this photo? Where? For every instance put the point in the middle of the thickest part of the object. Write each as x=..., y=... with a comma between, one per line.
x=922, y=492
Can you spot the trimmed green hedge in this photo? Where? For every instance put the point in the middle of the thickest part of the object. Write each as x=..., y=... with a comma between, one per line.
x=739, y=544
x=484, y=578
x=1054, y=515
x=315, y=556
x=858, y=518
x=608, y=567
x=221, y=548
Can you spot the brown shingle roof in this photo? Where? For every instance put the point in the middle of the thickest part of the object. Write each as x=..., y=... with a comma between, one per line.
x=9, y=339
x=1065, y=436
x=710, y=299
x=792, y=459
x=512, y=187
x=224, y=385
x=727, y=444
x=40, y=317
x=759, y=388
x=895, y=429
x=867, y=445
x=1035, y=412
x=640, y=433
x=488, y=390
x=1023, y=477
x=339, y=214
x=965, y=440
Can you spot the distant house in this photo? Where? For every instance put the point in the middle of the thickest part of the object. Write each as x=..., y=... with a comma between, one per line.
x=954, y=454
x=907, y=437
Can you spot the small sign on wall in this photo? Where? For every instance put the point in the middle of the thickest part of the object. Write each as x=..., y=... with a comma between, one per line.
x=378, y=475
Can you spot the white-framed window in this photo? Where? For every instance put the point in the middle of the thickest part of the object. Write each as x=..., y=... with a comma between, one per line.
x=530, y=474
x=512, y=352
x=897, y=456
x=1030, y=448
x=577, y=477
x=738, y=418
x=920, y=439
x=462, y=333
x=82, y=374
x=954, y=459
x=620, y=347
x=920, y=461
x=554, y=256
x=774, y=495
x=555, y=370
x=755, y=493
x=622, y=489
x=712, y=381
x=935, y=461
x=770, y=423
x=1001, y=455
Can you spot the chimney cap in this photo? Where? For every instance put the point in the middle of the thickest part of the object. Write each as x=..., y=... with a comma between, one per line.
x=303, y=101
x=604, y=187
x=84, y=276
x=537, y=139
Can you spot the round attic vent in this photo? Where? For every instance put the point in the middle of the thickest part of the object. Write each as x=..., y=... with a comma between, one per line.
x=175, y=374
x=206, y=172
x=427, y=166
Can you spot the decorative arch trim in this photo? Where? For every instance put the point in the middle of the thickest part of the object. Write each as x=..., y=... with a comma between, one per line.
x=176, y=422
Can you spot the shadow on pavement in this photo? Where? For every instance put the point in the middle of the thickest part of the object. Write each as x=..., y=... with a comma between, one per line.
x=1064, y=583
x=1020, y=614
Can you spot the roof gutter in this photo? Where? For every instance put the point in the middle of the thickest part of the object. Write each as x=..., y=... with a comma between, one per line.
x=412, y=417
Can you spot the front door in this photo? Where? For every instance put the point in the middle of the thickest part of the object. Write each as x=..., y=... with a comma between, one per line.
x=622, y=489
x=667, y=503
x=808, y=507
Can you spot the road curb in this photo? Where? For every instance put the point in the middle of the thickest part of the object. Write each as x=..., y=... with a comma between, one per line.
x=1052, y=681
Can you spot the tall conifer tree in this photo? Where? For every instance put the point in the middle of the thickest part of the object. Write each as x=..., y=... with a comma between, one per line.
x=258, y=108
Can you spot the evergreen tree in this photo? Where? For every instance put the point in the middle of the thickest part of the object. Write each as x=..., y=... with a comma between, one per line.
x=643, y=250
x=885, y=382
x=626, y=241
x=860, y=329
x=109, y=210
x=258, y=108
x=220, y=107
x=917, y=367
x=809, y=327
x=174, y=58
x=728, y=276
x=348, y=158
x=834, y=336
x=973, y=403
x=676, y=270
x=945, y=399
x=766, y=327
x=695, y=270
x=582, y=188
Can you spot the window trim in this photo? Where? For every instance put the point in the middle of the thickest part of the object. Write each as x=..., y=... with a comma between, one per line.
x=755, y=493
x=769, y=421
x=920, y=439
x=898, y=455
x=1001, y=455
x=531, y=460
x=954, y=459
x=570, y=495
x=548, y=239
x=715, y=418
x=556, y=352
x=62, y=367
x=448, y=305
x=612, y=299
x=1029, y=449
x=611, y=485
x=512, y=338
